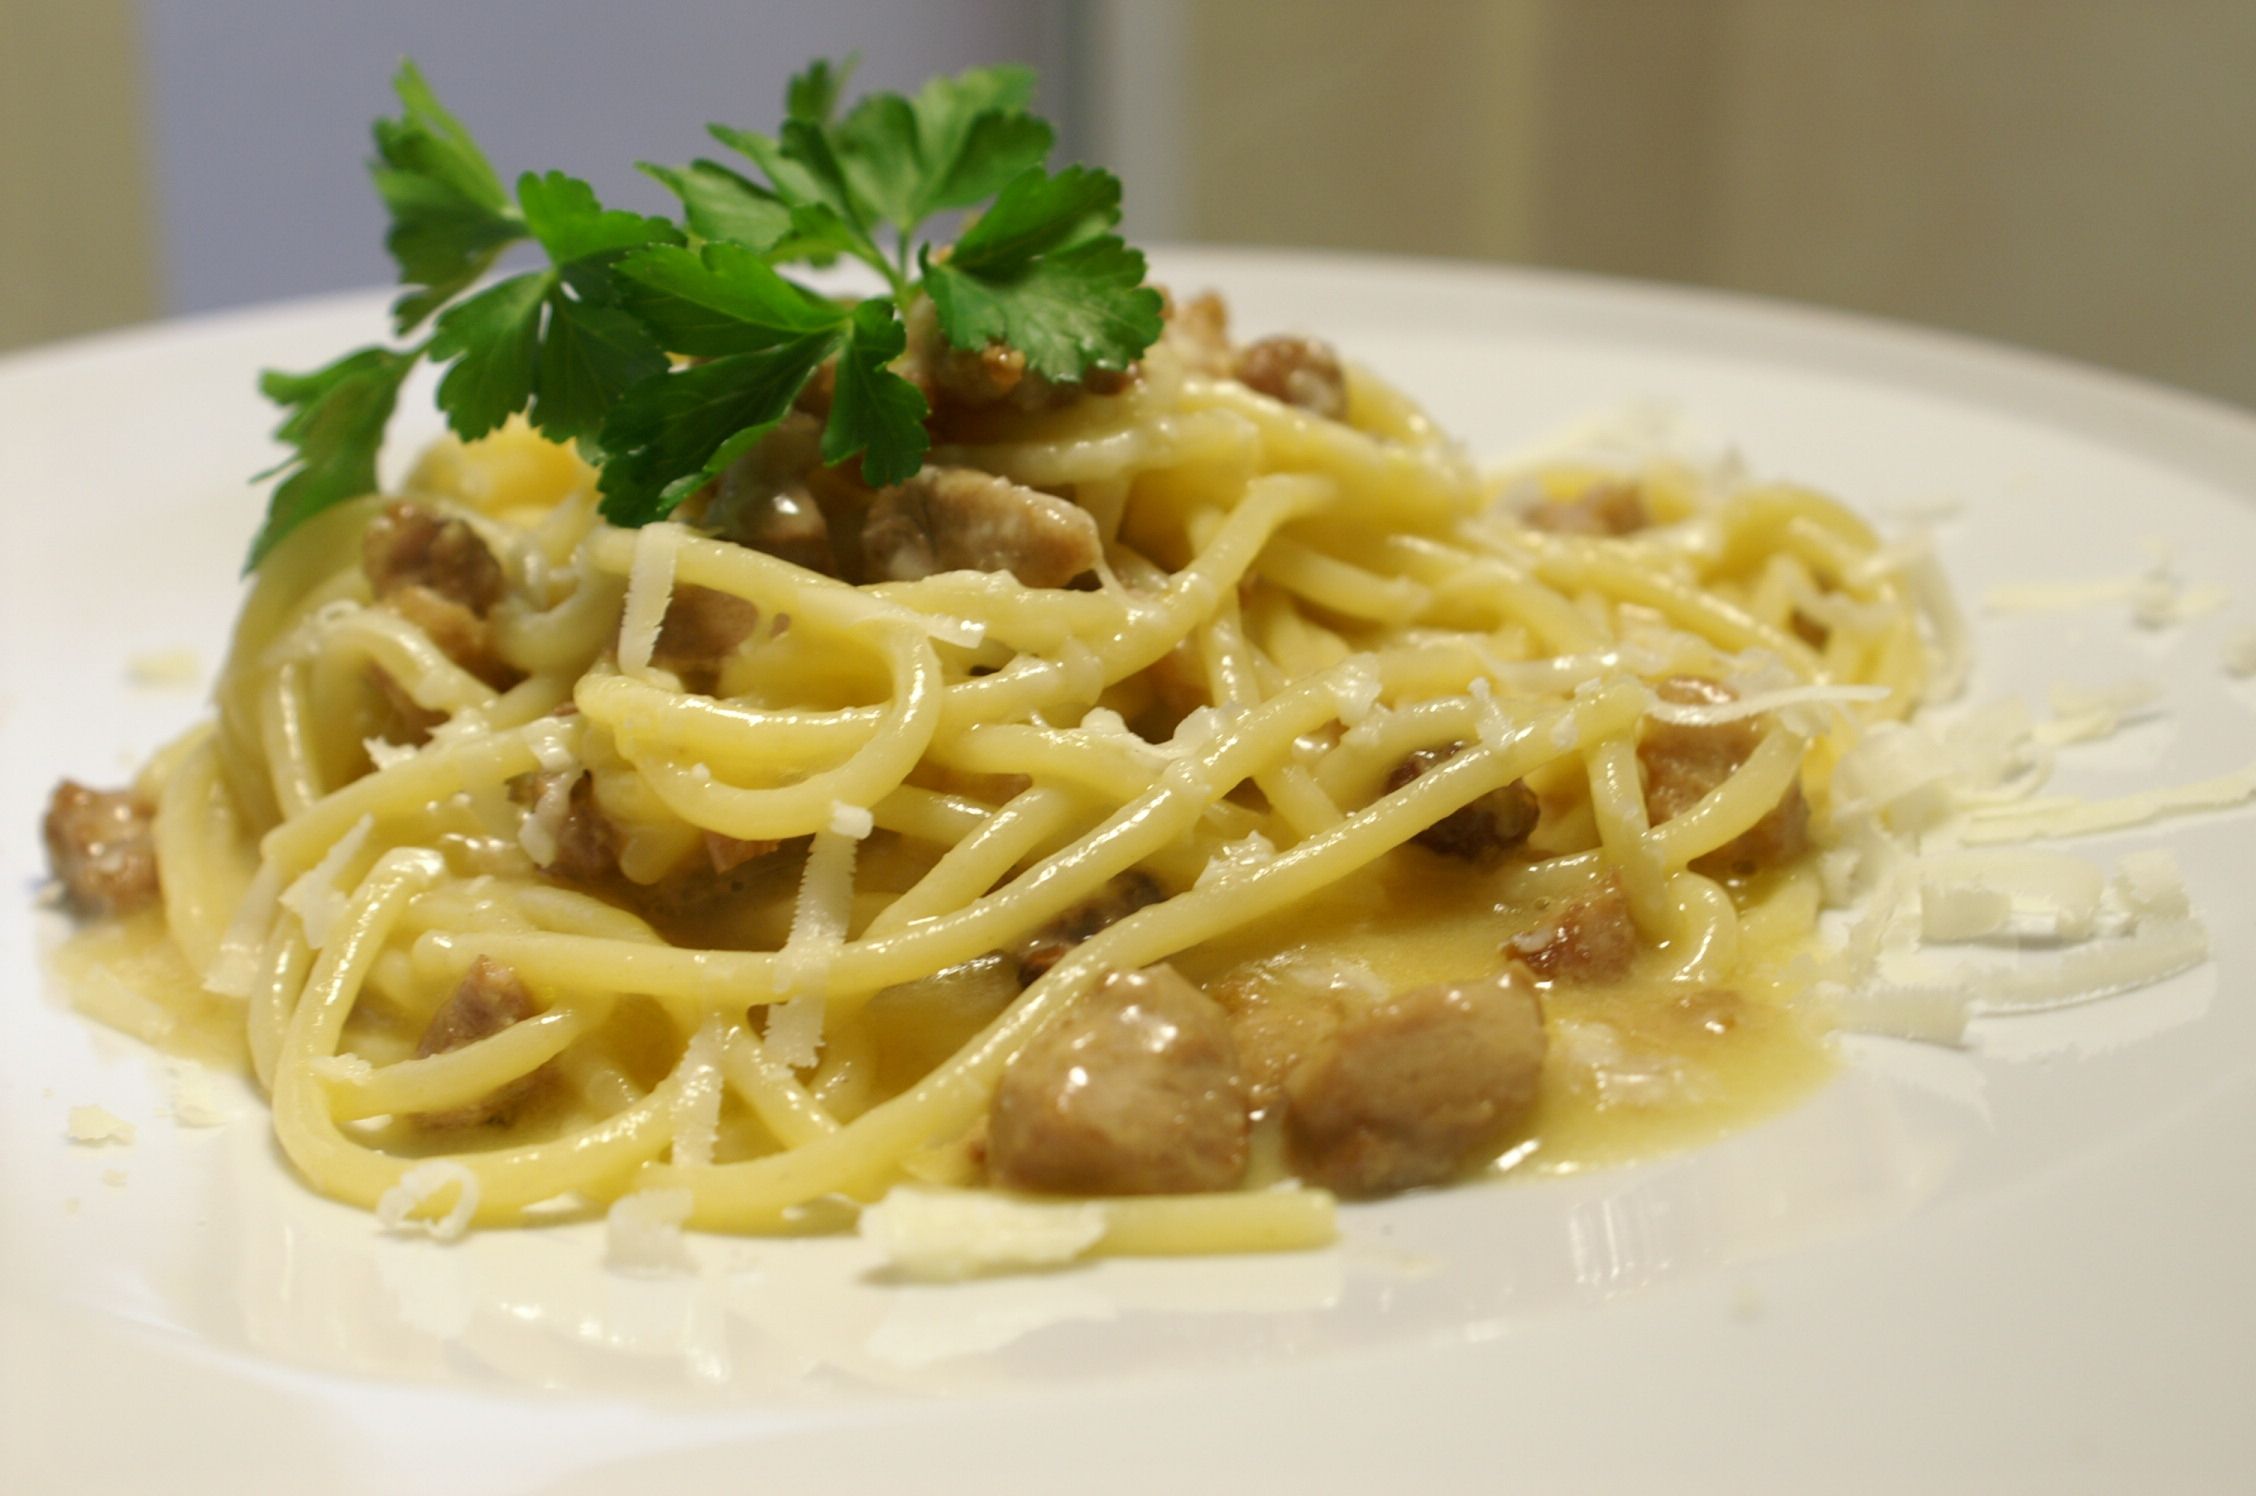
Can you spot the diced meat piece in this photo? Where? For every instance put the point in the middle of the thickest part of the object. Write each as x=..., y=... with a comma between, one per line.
x=1118, y=899
x=102, y=847
x=762, y=501
x=1303, y=372
x=1133, y=1091
x=1591, y=941
x=587, y=845
x=488, y=999
x=1683, y=763
x=1418, y=1088
x=994, y=377
x=1199, y=332
x=1481, y=833
x=702, y=628
x=1282, y=1009
x=412, y=545
x=1606, y=508
x=728, y=853
x=457, y=631
x=789, y=525
x=959, y=519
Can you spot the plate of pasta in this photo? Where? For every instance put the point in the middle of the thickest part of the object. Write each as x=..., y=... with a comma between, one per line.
x=1427, y=843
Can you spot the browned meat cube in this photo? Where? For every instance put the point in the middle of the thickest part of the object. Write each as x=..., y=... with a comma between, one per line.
x=1418, y=1088
x=1592, y=940
x=1303, y=372
x=101, y=845
x=1683, y=763
x=412, y=545
x=959, y=519
x=488, y=999
x=1133, y=1091
x=702, y=628
x=1601, y=509
x=1118, y=899
x=1481, y=833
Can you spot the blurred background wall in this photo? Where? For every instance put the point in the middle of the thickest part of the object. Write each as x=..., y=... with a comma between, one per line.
x=2074, y=175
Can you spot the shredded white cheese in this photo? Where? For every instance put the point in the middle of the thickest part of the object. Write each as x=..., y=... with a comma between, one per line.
x=195, y=1096
x=650, y=588
x=95, y=1125
x=2240, y=654
x=2151, y=886
x=853, y=821
x=2064, y=815
x=541, y=832
x=818, y=920
x=794, y=1034
x=1954, y=912
x=949, y=1235
x=319, y=897
x=1249, y=851
x=1929, y=1014
x=2059, y=890
x=642, y=1233
x=2083, y=714
x=2153, y=953
x=697, y=1105
x=396, y=1208
x=384, y=753
x=348, y=1068
x=1707, y=714
x=165, y=670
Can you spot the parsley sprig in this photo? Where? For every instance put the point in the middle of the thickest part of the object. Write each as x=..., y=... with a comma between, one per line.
x=667, y=349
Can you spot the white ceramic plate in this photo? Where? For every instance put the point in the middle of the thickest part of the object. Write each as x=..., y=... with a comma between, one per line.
x=2022, y=1266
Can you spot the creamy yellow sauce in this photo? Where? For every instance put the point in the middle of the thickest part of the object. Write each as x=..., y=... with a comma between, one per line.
x=1636, y=1069
x=1682, y=1064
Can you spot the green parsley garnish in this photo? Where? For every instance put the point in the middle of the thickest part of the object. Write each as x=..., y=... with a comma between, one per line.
x=587, y=347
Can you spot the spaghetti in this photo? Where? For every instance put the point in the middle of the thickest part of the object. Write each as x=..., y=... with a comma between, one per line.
x=542, y=863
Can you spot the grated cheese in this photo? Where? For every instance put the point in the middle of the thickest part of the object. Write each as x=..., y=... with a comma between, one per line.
x=384, y=753
x=2151, y=886
x=2240, y=654
x=1249, y=851
x=195, y=1096
x=1929, y=1014
x=818, y=920
x=697, y=1105
x=319, y=897
x=950, y=1235
x=396, y=1208
x=165, y=670
x=2061, y=890
x=650, y=589
x=2064, y=815
x=642, y=1233
x=2155, y=952
x=853, y=821
x=795, y=1031
x=2085, y=714
x=95, y=1125
x=1704, y=714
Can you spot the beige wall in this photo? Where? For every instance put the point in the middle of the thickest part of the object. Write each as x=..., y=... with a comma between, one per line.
x=2076, y=175
x=76, y=250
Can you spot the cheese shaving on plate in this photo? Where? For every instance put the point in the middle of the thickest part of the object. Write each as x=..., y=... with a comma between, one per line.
x=425, y=1182
x=947, y=1235
x=642, y=1233
x=2066, y=815
x=95, y=1125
